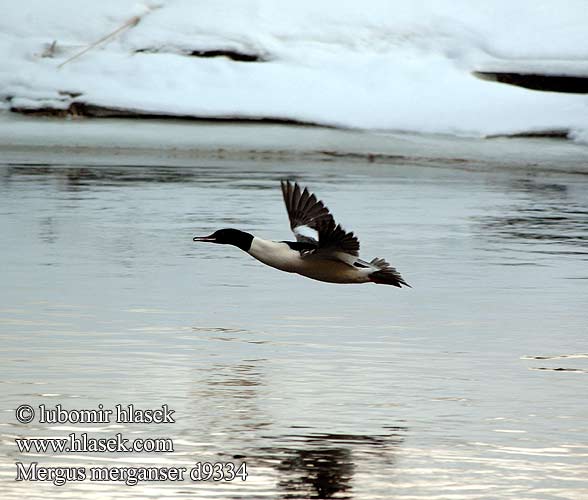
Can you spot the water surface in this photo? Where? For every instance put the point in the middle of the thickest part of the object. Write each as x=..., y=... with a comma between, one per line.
x=470, y=385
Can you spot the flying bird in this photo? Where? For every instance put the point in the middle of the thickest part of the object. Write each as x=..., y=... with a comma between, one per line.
x=322, y=251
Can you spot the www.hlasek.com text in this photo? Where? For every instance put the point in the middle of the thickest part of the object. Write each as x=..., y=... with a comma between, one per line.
x=87, y=444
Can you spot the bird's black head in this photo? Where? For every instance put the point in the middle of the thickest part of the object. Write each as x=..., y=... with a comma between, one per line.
x=240, y=239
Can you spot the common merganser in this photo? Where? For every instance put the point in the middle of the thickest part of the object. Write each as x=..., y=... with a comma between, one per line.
x=322, y=251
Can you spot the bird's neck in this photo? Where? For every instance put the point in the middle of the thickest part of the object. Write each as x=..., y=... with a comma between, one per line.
x=243, y=241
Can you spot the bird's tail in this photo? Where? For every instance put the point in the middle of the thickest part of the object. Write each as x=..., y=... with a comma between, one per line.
x=386, y=274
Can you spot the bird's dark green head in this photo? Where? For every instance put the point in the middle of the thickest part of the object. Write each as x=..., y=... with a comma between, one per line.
x=240, y=239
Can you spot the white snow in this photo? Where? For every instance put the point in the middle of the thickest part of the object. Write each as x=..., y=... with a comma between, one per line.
x=380, y=65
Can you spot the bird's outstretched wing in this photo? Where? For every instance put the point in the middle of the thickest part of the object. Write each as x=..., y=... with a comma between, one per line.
x=313, y=224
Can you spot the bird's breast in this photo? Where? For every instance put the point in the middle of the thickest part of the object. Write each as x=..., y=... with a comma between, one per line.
x=275, y=254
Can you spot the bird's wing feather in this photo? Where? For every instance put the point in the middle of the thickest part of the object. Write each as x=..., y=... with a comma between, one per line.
x=333, y=238
x=305, y=212
x=312, y=222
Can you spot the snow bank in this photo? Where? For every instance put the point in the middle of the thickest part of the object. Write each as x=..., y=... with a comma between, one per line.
x=384, y=65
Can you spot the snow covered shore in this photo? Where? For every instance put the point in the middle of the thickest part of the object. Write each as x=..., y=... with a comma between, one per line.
x=376, y=65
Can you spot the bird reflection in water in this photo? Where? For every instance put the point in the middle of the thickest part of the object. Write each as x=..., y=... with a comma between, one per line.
x=316, y=473
x=323, y=465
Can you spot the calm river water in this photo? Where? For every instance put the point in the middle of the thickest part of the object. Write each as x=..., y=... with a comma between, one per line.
x=470, y=385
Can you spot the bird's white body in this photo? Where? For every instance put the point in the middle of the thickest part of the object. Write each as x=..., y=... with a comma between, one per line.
x=331, y=269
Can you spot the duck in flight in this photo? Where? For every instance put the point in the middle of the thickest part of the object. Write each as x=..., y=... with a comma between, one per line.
x=322, y=251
